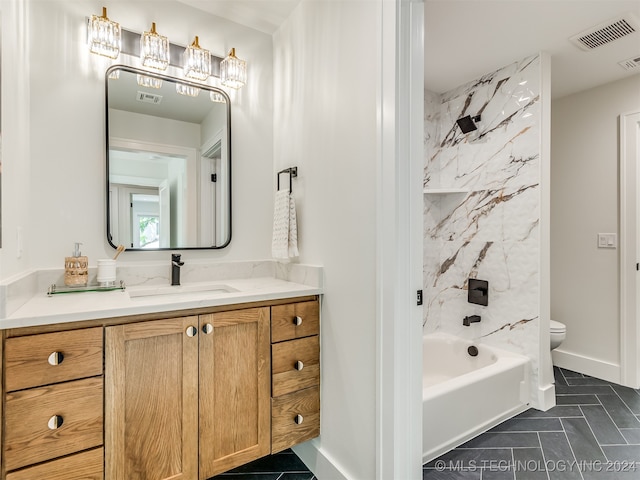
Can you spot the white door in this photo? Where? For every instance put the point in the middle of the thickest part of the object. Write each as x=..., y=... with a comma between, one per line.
x=630, y=249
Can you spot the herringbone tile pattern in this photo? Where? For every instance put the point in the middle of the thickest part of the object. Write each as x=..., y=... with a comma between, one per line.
x=592, y=434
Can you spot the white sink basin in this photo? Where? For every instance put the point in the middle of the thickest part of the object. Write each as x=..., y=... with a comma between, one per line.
x=186, y=291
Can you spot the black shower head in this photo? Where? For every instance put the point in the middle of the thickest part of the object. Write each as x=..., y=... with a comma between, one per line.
x=467, y=124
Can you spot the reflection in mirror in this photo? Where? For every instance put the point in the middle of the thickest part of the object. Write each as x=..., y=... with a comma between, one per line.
x=168, y=162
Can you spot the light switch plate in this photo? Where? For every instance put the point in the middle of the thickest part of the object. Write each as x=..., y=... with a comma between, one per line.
x=607, y=240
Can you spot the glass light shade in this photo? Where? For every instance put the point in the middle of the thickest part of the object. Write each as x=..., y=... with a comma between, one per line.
x=188, y=90
x=154, y=49
x=233, y=71
x=150, y=82
x=103, y=35
x=217, y=97
x=196, y=61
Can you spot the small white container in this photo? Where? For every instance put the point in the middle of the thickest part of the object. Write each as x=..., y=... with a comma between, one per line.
x=106, y=272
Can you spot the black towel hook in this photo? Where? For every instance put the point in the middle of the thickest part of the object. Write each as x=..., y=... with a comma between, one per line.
x=293, y=172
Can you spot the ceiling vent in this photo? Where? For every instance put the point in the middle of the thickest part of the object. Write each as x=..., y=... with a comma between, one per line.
x=606, y=32
x=630, y=63
x=145, y=97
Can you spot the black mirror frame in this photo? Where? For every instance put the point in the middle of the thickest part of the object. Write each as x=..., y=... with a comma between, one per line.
x=106, y=143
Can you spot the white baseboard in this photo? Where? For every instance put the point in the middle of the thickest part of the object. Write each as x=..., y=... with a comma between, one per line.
x=593, y=367
x=546, y=397
x=316, y=460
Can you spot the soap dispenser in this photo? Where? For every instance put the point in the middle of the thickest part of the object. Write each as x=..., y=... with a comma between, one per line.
x=76, y=268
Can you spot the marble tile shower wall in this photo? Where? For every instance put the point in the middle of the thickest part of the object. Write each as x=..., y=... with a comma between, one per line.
x=490, y=231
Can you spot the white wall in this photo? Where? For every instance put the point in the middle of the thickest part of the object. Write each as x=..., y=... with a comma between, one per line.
x=585, y=290
x=54, y=171
x=150, y=129
x=326, y=117
x=325, y=60
x=16, y=162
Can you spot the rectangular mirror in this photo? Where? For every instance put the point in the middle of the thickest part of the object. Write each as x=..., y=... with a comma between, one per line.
x=168, y=150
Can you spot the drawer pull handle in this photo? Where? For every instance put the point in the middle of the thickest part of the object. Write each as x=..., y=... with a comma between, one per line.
x=192, y=331
x=55, y=358
x=299, y=365
x=298, y=419
x=297, y=320
x=207, y=328
x=55, y=422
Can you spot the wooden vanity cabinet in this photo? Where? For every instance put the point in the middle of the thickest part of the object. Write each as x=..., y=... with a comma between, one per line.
x=295, y=382
x=53, y=406
x=180, y=398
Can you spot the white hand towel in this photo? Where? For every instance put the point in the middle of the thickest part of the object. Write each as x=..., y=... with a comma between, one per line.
x=285, y=230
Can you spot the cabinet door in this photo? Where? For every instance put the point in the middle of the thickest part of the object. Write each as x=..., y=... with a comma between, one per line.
x=234, y=389
x=151, y=400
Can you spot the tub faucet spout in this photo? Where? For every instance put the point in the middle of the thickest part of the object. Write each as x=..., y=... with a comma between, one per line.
x=471, y=319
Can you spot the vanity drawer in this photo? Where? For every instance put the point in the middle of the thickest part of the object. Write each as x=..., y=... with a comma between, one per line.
x=48, y=358
x=31, y=434
x=295, y=418
x=294, y=320
x=295, y=365
x=82, y=466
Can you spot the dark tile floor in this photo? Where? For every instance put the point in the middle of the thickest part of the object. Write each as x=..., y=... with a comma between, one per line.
x=592, y=434
x=281, y=466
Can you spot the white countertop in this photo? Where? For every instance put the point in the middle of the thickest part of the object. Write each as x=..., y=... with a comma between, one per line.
x=70, y=307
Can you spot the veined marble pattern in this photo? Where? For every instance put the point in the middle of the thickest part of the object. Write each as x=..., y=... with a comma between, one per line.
x=490, y=230
x=431, y=133
x=503, y=152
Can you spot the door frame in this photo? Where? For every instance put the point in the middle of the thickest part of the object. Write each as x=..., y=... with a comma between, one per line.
x=399, y=219
x=629, y=248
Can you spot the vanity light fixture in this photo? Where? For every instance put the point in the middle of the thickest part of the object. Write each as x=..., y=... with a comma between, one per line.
x=107, y=38
x=217, y=97
x=233, y=71
x=150, y=82
x=188, y=90
x=154, y=49
x=103, y=35
x=196, y=61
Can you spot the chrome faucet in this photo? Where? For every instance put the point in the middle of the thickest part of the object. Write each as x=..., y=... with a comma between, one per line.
x=469, y=320
x=175, y=268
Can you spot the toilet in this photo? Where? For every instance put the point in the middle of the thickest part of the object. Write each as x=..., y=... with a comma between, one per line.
x=558, y=332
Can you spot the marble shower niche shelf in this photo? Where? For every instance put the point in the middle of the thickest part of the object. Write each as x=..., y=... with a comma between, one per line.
x=445, y=191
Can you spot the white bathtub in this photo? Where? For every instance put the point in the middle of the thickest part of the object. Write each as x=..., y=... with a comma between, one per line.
x=464, y=396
